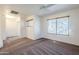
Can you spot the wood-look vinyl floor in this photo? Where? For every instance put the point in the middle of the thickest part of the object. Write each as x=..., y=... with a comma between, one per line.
x=42, y=46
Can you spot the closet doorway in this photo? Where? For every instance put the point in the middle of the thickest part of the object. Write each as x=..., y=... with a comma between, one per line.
x=12, y=26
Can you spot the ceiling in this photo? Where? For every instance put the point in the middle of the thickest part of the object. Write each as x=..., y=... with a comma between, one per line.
x=34, y=9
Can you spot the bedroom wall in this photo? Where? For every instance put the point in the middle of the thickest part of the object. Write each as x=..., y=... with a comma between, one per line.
x=74, y=19
x=2, y=27
x=12, y=27
x=23, y=26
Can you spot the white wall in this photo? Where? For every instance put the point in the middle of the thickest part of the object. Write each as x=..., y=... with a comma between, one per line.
x=22, y=26
x=37, y=27
x=74, y=19
x=2, y=28
x=12, y=26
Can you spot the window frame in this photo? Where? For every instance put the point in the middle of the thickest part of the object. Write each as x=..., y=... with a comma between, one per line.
x=56, y=25
x=48, y=25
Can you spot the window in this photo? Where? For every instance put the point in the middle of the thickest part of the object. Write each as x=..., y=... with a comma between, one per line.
x=52, y=26
x=63, y=26
x=59, y=26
